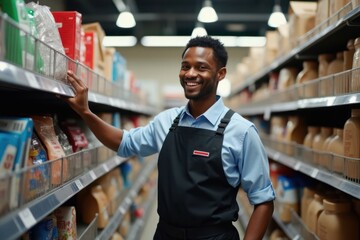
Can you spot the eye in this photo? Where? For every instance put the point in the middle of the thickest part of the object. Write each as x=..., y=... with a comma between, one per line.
x=184, y=67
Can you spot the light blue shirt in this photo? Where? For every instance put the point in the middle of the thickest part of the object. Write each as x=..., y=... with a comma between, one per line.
x=244, y=158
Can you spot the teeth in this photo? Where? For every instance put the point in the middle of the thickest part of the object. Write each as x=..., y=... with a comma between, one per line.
x=191, y=84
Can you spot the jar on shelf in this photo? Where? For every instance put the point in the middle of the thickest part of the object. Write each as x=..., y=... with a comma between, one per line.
x=355, y=76
x=337, y=221
x=351, y=146
x=307, y=74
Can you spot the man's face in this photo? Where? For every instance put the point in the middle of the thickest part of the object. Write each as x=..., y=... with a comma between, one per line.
x=198, y=74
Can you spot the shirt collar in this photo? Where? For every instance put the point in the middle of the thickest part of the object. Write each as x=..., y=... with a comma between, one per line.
x=212, y=114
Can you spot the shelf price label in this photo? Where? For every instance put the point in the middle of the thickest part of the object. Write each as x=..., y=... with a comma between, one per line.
x=92, y=175
x=78, y=184
x=27, y=218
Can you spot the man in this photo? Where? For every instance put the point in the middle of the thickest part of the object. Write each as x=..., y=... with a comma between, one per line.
x=206, y=152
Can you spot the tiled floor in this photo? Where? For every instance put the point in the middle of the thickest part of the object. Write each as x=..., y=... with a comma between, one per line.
x=152, y=221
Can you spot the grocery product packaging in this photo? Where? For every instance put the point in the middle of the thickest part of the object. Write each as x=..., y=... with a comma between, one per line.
x=37, y=178
x=66, y=222
x=55, y=61
x=69, y=26
x=44, y=127
x=21, y=127
x=9, y=146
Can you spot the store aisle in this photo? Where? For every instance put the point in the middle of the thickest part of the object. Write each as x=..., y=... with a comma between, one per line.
x=150, y=225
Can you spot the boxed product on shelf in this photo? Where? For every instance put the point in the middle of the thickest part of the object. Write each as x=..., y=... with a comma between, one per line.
x=69, y=26
x=9, y=147
x=94, y=56
x=46, y=229
x=21, y=127
x=301, y=19
x=66, y=222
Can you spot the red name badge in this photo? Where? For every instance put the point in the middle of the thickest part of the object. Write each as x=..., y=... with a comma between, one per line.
x=201, y=153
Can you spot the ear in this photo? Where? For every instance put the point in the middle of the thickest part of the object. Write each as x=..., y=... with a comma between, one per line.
x=221, y=73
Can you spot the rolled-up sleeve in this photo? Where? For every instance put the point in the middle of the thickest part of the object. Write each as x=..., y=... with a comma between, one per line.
x=254, y=169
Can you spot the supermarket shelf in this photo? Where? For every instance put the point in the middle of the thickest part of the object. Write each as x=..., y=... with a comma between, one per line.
x=327, y=177
x=325, y=36
x=107, y=232
x=295, y=229
x=137, y=226
x=19, y=221
x=14, y=76
x=321, y=102
x=121, y=104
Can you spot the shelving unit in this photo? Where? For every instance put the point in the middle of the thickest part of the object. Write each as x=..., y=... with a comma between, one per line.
x=331, y=35
x=32, y=92
x=128, y=199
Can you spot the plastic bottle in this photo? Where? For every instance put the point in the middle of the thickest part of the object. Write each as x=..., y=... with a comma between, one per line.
x=318, y=142
x=351, y=146
x=340, y=84
x=349, y=55
x=308, y=73
x=337, y=221
x=295, y=133
x=355, y=78
x=336, y=147
x=313, y=212
x=311, y=133
x=307, y=197
x=324, y=61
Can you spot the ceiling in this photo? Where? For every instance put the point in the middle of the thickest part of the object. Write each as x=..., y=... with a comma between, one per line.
x=178, y=17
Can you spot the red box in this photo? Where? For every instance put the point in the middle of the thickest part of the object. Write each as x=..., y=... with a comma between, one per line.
x=69, y=26
x=91, y=42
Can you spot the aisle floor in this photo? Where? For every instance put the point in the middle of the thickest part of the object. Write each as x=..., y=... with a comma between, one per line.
x=150, y=225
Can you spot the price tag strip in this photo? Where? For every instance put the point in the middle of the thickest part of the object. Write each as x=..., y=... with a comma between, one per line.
x=27, y=218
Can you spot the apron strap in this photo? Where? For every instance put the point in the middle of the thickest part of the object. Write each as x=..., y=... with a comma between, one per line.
x=224, y=122
x=175, y=122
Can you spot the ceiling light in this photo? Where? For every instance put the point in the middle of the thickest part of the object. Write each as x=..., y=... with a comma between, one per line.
x=164, y=41
x=119, y=41
x=199, y=30
x=277, y=18
x=126, y=20
x=181, y=41
x=207, y=14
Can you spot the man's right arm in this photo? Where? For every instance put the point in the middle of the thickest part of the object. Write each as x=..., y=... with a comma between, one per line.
x=107, y=134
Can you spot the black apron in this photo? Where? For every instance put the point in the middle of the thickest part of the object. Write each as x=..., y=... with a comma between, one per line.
x=195, y=199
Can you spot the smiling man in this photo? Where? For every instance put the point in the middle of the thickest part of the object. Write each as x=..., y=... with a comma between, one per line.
x=206, y=153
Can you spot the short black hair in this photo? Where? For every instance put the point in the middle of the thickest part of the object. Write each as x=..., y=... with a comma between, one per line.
x=220, y=53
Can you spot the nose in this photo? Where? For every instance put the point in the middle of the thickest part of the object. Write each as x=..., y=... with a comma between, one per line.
x=191, y=73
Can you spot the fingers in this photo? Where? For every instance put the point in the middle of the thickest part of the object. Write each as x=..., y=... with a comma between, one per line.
x=75, y=81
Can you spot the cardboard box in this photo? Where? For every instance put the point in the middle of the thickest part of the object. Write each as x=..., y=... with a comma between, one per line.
x=100, y=34
x=69, y=26
x=301, y=19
